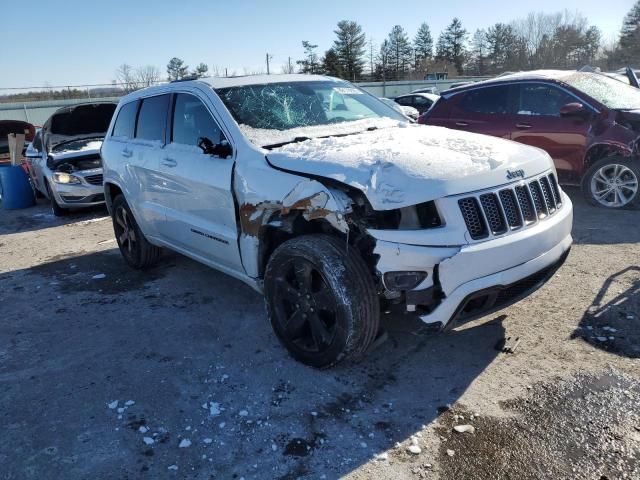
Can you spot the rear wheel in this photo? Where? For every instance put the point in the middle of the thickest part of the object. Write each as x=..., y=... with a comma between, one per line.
x=613, y=182
x=134, y=247
x=321, y=300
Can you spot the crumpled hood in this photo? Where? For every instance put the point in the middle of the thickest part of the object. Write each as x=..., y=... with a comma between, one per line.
x=410, y=164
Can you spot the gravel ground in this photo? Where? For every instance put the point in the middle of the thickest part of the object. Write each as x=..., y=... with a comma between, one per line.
x=175, y=373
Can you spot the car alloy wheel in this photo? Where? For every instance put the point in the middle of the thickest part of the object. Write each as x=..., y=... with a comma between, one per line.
x=614, y=185
x=305, y=306
x=125, y=231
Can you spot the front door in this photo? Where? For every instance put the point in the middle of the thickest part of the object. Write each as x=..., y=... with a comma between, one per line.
x=538, y=123
x=200, y=211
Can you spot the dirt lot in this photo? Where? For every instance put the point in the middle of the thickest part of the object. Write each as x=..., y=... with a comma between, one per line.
x=175, y=373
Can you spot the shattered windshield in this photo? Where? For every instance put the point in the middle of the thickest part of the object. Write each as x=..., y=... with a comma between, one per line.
x=608, y=91
x=283, y=112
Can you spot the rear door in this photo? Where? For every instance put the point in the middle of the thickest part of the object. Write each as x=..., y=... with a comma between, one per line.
x=199, y=202
x=485, y=110
x=137, y=141
x=538, y=123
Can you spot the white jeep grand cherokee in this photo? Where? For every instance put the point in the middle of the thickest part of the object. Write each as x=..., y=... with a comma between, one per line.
x=331, y=203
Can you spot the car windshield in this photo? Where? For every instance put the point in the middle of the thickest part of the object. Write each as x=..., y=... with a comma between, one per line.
x=278, y=113
x=608, y=91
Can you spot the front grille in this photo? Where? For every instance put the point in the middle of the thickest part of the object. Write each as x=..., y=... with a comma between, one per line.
x=511, y=208
x=94, y=179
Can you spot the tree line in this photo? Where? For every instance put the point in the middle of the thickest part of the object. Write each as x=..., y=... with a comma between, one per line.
x=561, y=40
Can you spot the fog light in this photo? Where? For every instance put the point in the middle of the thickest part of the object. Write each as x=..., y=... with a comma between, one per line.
x=403, y=280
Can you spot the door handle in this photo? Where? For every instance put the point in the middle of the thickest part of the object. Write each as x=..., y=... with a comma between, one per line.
x=169, y=162
x=523, y=126
x=127, y=153
x=462, y=124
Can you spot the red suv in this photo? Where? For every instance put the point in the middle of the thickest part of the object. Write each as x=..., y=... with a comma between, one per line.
x=589, y=123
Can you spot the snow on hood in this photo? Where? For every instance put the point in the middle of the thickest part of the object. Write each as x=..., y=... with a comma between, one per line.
x=411, y=164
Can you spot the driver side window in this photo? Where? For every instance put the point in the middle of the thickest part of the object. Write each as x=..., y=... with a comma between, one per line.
x=539, y=99
x=192, y=121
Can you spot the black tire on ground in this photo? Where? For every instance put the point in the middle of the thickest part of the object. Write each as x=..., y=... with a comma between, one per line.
x=321, y=300
x=134, y=247
x=57, y=210
x=613, y=182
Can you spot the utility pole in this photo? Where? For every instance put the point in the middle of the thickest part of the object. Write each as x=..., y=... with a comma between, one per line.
x=371, y=56
x=268, y=57
x=289, y=70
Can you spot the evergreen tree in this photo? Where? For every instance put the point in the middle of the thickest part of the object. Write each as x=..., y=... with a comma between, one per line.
x=176, y=69
x=350, y=48
x=200, y=71
x=479, y=52
x=330, y=64
x=423, y=44
x=629, y=45
x=310, y=64
x=503, y=46
x=451, y=45
x=400, y=52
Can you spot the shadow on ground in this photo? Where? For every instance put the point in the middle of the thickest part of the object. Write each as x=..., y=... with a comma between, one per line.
x=193, y=350
x=611, y=322
x=599, y=225
x=40, y=217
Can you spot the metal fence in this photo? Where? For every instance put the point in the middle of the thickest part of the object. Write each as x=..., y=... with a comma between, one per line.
x=36, y=105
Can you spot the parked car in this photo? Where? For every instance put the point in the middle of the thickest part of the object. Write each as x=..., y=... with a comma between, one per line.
x=405, y=110
x=432, y=90
x=13, y=126
x=588, y=123
x=331, y=213
x=64, y=158
x=420, y=101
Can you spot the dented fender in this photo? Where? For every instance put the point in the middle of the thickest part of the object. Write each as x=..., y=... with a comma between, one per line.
x=286, y=194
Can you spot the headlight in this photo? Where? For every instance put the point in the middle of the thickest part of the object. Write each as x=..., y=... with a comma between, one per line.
x=66, y=178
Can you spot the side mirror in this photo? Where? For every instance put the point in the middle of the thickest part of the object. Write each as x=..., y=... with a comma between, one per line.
x=222, y=149
x=573, y=109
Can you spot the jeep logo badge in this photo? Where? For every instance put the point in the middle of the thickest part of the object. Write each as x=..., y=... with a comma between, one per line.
x=511, y=174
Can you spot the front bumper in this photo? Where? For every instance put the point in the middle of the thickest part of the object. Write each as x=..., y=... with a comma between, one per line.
x=77, y=195
x=473, y=280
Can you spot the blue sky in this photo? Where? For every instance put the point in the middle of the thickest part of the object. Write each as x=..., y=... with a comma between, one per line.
x=78, y=42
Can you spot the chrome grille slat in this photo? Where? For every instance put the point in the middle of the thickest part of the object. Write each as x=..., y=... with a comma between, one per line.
x=556, y=190
x=547, y=194
x=497, y=212
x=511, y=208
x=493, y=213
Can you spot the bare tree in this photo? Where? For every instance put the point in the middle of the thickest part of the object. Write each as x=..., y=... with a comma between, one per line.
x=147, y=76
x=126, y=77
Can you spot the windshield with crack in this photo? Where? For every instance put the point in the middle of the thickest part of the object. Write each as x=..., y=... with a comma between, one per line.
x=611, y=93
x=283, y=112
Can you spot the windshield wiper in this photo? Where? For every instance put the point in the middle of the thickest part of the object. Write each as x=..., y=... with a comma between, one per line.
x=282, y=144
x=304, y=139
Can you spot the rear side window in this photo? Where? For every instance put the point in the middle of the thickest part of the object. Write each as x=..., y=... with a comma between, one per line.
x=152, y=118
x=406, y=101
x=126, y=120
x=192, y=121
x=489, y=100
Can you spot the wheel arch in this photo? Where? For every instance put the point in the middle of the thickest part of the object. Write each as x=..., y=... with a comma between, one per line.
x=603, y=150
x=111, y=190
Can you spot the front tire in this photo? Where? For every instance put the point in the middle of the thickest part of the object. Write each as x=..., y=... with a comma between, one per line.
x=56, y=209
x=134, y=247
x=321, y=300
x=613, y=182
